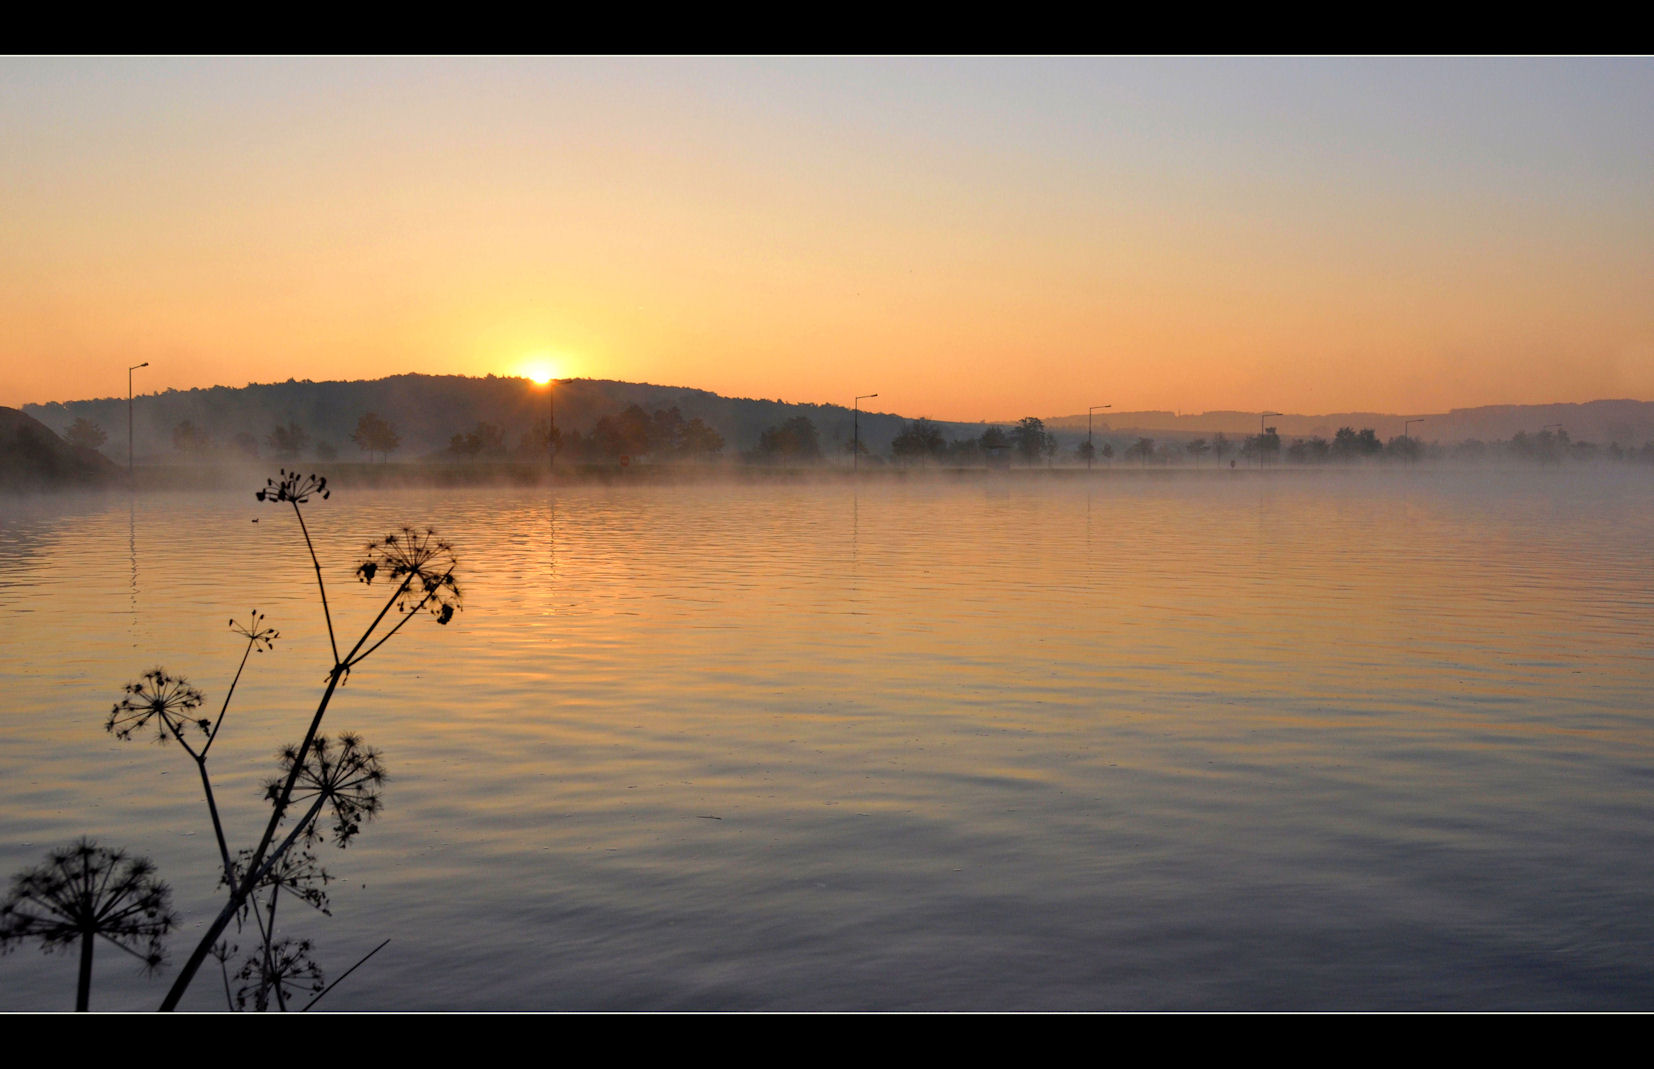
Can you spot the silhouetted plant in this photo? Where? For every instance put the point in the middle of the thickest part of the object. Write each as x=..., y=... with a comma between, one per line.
x=84, y=892
x=344, y=778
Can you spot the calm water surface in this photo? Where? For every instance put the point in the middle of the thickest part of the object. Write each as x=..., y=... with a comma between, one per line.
x=1203, y=742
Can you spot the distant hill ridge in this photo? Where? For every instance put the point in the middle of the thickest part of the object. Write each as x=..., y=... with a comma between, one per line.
x=428, y=410
x=1624, y=421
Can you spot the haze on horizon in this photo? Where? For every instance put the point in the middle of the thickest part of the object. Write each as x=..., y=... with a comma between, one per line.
x=969, y=238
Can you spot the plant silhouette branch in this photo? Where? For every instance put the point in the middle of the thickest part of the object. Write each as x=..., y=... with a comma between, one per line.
x=321, y=587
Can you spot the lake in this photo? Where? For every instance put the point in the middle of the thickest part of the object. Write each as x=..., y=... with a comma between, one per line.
x=1224, y=740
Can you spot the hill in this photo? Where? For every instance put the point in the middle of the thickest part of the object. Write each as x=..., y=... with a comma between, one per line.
x=32, y=457
x=428, y=410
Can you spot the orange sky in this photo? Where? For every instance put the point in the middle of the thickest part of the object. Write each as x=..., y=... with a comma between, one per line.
x=968, y=238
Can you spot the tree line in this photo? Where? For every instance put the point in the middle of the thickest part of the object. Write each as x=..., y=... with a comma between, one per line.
x=664, y=436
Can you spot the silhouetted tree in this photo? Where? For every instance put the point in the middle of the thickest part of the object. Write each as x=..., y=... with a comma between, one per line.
x=793, y=440
x=288, y=441
x=1198, y=448
x=919, y=439
x=187, y=438
x=964, y=452
x=699, y=440
x=1142, y=448
x=1348, y=445
x=626, y=433
x=1221, y=446
x=375, y=435
x=1263, y=446
x=1029, y=436
x=534, y=442
x=86, y=434
x=665, y=431
x=996, y=447
x=486, y=440
x=1308, y=450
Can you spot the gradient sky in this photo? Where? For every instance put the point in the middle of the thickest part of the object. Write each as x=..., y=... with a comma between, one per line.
x=969, y=238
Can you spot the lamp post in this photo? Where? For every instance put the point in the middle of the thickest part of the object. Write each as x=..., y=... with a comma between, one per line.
x=129, y=372
x=855, y=445
x=551, y=425
x=1261, y=417
x=1090, y=450
x=1406, y=423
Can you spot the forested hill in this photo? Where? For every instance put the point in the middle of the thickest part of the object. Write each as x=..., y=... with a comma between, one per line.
x=427, y=411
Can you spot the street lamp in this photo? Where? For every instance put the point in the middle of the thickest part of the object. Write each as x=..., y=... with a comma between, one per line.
x=129, y=372
x=1090, y=450
x=1406, y=423
x=855, y=446
x=551, y=425
x=1261, y=417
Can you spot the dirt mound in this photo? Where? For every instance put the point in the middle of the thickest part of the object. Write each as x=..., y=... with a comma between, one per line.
x=34, y=458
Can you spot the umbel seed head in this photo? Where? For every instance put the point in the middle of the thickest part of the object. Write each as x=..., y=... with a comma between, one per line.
x=292, y=486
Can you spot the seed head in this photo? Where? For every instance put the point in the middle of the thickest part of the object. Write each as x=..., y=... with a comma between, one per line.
x=425, y=562
x=292, y=486
x=348, y=775
x=84, y=889
x=166, y=700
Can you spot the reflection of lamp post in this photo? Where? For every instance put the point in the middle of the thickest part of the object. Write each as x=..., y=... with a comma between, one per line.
x=1090, y=450
x=1261, y=417
x=129, y=372
x=855, y=445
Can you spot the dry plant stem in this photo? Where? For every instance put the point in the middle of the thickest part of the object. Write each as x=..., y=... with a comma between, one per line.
x=224, y=971
x=267, y=931
x=201, y=766
x=263, y=858
x=326, y=613
x=347, y=972
x=83, y=989
x=200, y=759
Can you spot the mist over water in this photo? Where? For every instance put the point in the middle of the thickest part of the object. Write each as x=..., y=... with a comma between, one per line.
x=1377, y=740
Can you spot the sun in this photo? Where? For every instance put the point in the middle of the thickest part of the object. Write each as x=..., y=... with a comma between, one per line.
x=539, y=369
